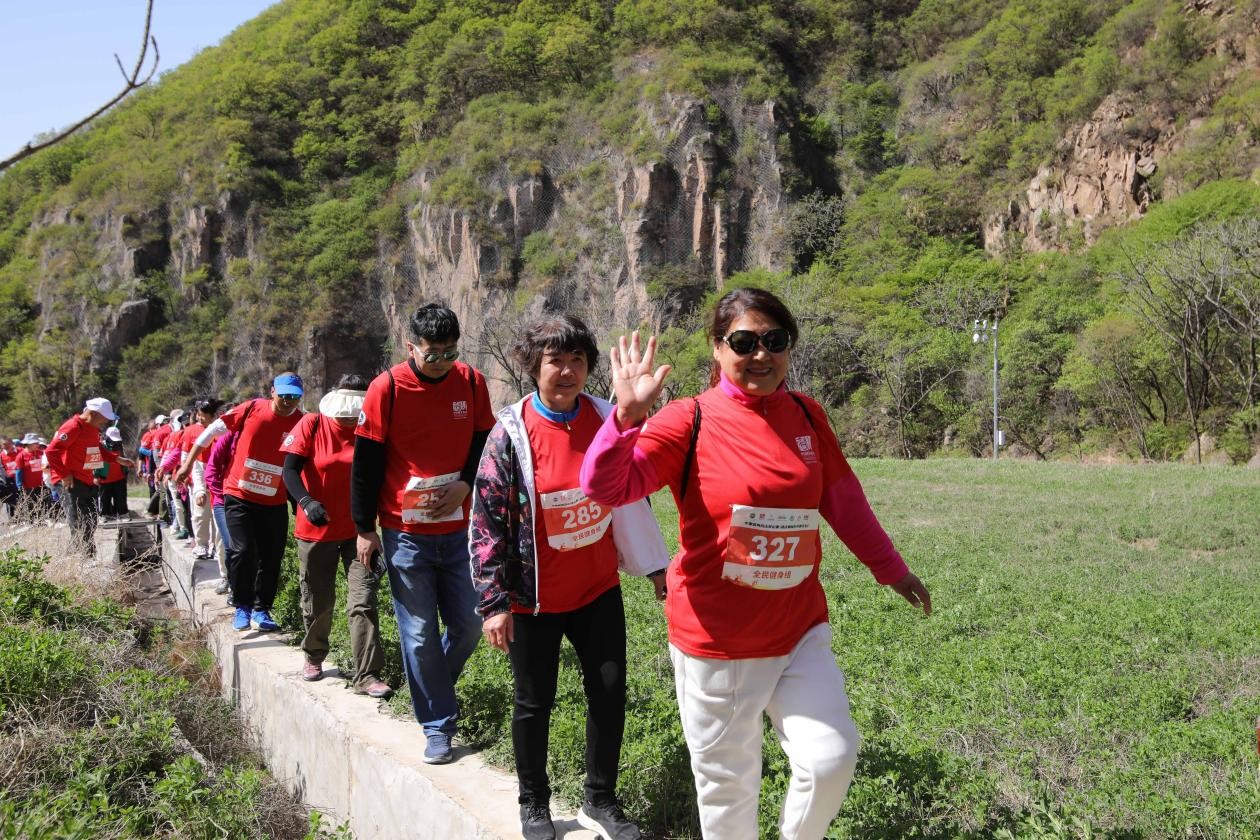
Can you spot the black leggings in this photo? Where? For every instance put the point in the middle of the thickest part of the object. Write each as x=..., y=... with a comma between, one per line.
x=597, y=632
x=257, y=536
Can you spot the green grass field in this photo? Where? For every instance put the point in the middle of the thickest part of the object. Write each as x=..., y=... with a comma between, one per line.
x=1092, y=667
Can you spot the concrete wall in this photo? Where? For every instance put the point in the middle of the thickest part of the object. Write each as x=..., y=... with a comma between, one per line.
x=343, y=753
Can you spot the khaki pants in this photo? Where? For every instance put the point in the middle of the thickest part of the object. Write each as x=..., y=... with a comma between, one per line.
x=318, y=562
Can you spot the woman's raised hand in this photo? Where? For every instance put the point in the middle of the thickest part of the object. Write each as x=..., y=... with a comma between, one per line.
x=636, y=385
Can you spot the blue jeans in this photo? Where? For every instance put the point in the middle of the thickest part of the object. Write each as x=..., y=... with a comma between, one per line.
x=220, y=525
x=429, y=575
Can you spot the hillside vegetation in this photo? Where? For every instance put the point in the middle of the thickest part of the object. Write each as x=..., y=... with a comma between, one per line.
x=895, y=169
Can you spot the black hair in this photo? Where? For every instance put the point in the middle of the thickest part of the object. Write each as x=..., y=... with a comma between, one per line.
x=352, y=382
x=564, y=334
x=735, y=303
x=434, y=323
x=209, y=405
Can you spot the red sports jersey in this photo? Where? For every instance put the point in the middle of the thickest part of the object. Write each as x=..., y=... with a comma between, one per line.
x=158, y=441
x=257, y=460
x=427, y=429
x=328, y=448
x=76, y=451
x=745, y=583
x=188, y=439
x=32, y=467
x=10, y=461
x=115, y=473
x=577, y=561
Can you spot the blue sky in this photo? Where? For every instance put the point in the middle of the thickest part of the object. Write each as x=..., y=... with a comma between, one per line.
x=57, y=56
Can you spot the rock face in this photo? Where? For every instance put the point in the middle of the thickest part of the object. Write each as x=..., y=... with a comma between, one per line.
x=701, y=210
x=1102, y=177
x=1102, y=183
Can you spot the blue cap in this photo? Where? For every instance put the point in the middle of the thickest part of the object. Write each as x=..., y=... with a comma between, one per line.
x=288, y=385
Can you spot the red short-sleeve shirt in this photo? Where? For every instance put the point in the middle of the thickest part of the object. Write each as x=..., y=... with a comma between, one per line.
x=427, y=429
x=328, y=448
x=257, y=461
x=568, y=578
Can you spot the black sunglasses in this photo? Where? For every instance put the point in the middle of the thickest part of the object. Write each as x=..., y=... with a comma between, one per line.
x=446, y=356
x=743, y=342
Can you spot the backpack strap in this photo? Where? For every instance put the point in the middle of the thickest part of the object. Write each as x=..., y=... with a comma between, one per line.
x=808, y=415
x=691, y=450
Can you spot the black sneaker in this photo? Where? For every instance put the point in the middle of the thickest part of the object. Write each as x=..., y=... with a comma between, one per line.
x=536, y=822
x=607, y=821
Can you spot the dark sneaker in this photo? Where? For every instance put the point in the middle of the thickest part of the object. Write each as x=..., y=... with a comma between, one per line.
x=438, y=750
x=261, y=620
x=607, y=821
x=536, y=822
x=241, y=621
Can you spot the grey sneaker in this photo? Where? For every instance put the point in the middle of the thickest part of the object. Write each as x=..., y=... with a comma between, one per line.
x=438, y=750
x=536, y=822
x=607, y=821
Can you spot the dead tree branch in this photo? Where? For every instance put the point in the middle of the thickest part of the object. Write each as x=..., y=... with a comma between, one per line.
x=137, y=78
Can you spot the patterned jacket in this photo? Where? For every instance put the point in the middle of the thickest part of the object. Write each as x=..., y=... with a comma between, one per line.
x=501, y=524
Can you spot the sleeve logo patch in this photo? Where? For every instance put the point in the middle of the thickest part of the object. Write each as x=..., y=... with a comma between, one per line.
x=362, y=418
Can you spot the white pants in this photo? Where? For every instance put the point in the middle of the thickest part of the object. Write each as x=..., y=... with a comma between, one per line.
x=202, y=519
x=721, y=702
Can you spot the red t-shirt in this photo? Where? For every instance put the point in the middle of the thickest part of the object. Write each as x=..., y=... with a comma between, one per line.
x=328, y=448
x=114, y=475
x=743, y=598
x=32, y=467
x=188, y=439
x=10, y=461
x=427, y=443
x=76, y=450
x=158, y=441
x=257, y=461
x=577, y=560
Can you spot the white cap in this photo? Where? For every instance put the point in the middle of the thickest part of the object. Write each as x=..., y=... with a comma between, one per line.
x=160, y=419
x=177, y=413
x=31, y=437
x=113, y=434
x=102, y=407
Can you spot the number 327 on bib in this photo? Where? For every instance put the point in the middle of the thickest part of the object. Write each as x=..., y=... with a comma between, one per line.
x=771, y=548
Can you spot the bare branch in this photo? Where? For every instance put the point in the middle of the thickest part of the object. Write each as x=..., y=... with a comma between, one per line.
x=131, y=82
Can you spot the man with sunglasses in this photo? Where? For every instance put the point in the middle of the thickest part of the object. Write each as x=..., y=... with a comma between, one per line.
x=254, y=497
x=420, y=435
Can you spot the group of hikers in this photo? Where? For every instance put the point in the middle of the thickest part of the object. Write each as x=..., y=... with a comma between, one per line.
x=28, y=492
x=515, y=525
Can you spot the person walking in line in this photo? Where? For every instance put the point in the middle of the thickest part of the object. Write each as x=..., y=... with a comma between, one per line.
x=317, y=474
x=112, y=479
x=545, y=560
x=74, y=454
x=157, y=508
x=753, y=469
x=255, y=502
x=176, y=491
x=218, y=464
x=33, y=495
x=419, y=438
x=201, y=519
x=11, y=489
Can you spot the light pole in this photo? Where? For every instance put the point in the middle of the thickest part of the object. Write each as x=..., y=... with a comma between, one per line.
x=981, y=330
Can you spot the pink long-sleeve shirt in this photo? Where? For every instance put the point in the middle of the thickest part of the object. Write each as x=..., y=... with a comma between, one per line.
x=742, y=592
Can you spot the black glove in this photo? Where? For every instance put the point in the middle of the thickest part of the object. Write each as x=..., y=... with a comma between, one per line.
x=314, y=511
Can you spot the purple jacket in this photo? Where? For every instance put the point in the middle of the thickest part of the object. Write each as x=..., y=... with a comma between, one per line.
x=217, y=465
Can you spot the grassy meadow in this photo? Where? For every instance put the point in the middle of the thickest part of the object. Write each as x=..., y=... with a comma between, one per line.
x=1092, y=666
